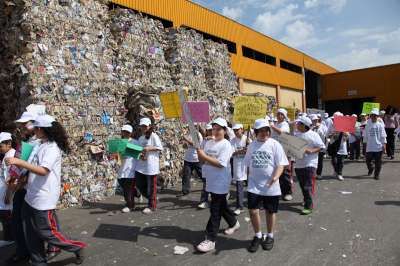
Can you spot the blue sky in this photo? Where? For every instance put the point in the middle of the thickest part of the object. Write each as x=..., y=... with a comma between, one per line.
x=346, y=34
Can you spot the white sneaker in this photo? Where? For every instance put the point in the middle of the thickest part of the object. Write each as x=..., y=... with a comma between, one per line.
x=206, y=246
x=237, y=211
x=125, y=210
x=233, y=229
x=340, y=177
x=288, y=197
x=147, y=211
x=141, y=199
x=202, y=205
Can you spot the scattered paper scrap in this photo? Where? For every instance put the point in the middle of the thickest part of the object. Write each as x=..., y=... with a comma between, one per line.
x=179, y=250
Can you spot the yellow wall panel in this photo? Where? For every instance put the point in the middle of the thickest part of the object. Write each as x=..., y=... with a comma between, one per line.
x=257, y=87
x=291, y=98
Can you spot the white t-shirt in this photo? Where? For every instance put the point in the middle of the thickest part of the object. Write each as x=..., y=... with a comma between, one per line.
x=127, y=169
x=263, y=158
x=191, y=153
x=284, y=126
x=43, y=192
x=230, y=132
x=239, y=168
x=343, y=147
x=374, y=136
x=314, y=141
x=3, y=180
x=218, y=179
x=150, y=166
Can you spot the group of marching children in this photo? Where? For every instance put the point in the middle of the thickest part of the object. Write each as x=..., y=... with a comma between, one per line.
x=30, y=189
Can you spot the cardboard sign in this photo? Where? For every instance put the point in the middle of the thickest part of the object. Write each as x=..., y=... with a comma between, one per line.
x=367, y=107
x=171, y=104
x=117, y=145
x=200, y=112
x=345, y=123
x=293, y=146
x=26, y=151
x=248, y=109
x=188, y=118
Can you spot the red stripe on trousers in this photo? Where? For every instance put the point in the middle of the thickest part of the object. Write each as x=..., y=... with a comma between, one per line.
x=58, y=235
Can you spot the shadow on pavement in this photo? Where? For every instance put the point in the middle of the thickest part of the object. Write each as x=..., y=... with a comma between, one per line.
x=290, y=206
x=106, y=207
x=68, y=261
x=177, y=233
x=388, y=202
x=117, y=232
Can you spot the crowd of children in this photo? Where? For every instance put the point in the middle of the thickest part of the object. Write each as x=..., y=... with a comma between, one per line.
x=30, y=188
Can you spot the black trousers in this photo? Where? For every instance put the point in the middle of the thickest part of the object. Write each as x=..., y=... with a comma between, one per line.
x=188, y=168
x=17, y=227
x=40, y=227
x=390, y=146
x=320, y=162
x=377, y=158
x=147, y=185
x=306, y=176
x=285, y=181
x=5, y=219
x=239, y=194
x=129, y=188
x=355, y=150
x=218, y=209
x=337, y=163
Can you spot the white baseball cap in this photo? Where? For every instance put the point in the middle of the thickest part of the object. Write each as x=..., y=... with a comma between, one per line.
x=5, y=136
x=260, y=123
x=383, y=112
x=237, y=126
x=220, y=121
x=282, y=111
x=127, y=128
x=363, y=114
x=337, y=114
x=304, y=120
x=145, y=121
x=208, y=126
x=354, y=115
x=44, y=121
x=313, y=117
x=375, y=111
x=26, y=117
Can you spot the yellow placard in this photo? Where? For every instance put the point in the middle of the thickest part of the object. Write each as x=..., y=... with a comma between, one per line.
x=248, y=109
x=171, y=104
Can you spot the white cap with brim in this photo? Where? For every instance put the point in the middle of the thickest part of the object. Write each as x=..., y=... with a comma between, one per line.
x=314, y=117
x=26, y=117
x=237, y=126
x=260, y=123
x=127, y=128
x=305, y=121
x=44, y=121
x=363, y=114
x=337, y=114
x=145, y=121
x=375, y=111
x=4, y=136
x=208, y=127
x=354, y=115
x=383, y=112
x=282, y=111
x=220, y=122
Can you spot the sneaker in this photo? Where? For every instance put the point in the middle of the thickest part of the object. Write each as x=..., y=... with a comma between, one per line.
x=147, y=211
x=306, y=211
x=340, y=177
x=237, y=212
x=141, y=198
x=125, y=210
x=51, y=254
x=254, y=245
x=370, y=171
x=202, y=205
x=232, y=230
x=206, y=246
x=267, y=243
x=80, y=256
x=288, y=197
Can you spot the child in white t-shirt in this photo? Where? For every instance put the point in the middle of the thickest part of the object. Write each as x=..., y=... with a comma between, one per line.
x=239, y=145
x=126, y=173
x=5, y=191
x=266, y=160
x=216, y=156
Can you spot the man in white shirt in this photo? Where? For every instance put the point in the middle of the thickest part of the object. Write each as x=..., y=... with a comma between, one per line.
x=375, y=139
x=306, y=167
x=148, y=166
x=283, y=127
x=355, y=141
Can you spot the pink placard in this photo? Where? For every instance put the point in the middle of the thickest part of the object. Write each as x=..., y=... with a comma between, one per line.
x=200, y=112
x=345, y=123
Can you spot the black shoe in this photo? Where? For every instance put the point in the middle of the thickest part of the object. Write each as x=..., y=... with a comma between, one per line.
x=267, y=243
x=17, y=259
x=52, y=254
x=80, y=256
x=392, y=157
x=255, y=244
x=376, y=177
x=370, y=172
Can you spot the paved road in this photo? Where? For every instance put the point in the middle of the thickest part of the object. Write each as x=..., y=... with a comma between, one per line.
x=361, y=228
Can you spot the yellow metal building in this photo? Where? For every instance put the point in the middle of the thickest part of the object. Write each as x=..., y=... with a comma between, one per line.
x=262, y=64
